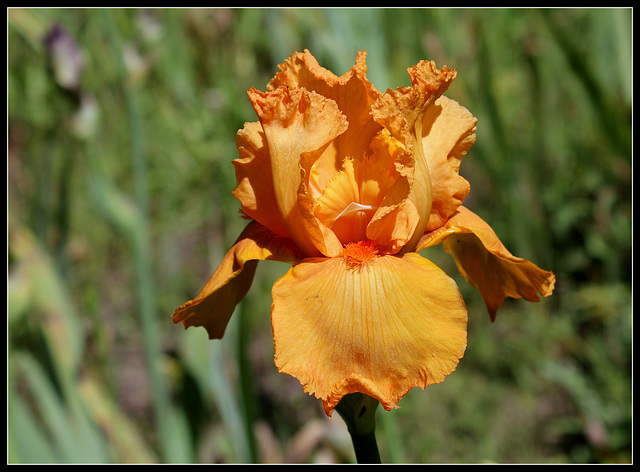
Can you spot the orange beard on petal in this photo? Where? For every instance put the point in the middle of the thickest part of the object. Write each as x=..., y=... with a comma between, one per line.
x=359, y=254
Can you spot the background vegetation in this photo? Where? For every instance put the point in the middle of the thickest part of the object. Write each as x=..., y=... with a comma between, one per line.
x=120, y=207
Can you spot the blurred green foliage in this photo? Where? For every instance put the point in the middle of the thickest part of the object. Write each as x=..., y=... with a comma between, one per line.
x=121, y=129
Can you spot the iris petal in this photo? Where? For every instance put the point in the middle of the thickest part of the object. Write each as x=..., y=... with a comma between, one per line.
x=380, y=327
x=215, y=303
x=448, y=133
x=486, y=263
x=402, y=111
x=298, y=126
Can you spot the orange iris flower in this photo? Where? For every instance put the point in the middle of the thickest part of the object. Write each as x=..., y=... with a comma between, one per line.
x=347, y=184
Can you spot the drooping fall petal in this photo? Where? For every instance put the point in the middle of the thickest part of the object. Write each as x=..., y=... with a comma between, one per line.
x=378, y=325
x=215, y=303
x=486, y=263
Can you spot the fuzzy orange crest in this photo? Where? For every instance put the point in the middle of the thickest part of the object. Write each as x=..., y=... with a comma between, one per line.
x=359, y=253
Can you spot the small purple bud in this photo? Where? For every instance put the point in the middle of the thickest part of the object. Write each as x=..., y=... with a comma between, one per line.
x=65, y=57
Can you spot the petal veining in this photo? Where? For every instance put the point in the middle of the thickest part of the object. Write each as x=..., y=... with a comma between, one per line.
x=380, y=327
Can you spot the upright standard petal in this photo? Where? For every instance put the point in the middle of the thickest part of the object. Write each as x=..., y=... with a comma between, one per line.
x=396, y=217
x=368, y=198
x=486, y=263
x=402, y=111
x=298, y=126
x=448, y=132
x=255, y=184
x=353, y=93
x=215, y=303
x=378, y=325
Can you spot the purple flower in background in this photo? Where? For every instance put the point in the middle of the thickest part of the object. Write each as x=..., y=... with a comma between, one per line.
x=66, y=59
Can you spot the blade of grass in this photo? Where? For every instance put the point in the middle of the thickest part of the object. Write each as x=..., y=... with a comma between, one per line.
x=246, y=381
x=207, y=362
x=615, y=130
x=68, y=428
x=170, y=445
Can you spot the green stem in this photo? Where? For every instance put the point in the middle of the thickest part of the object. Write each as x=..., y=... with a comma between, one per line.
x=143, y=262
x=358, y=412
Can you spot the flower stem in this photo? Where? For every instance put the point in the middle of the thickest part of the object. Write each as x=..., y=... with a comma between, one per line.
x=358, y=412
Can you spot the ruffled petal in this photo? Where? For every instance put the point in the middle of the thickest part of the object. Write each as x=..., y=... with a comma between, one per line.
x=396, y=217
x=402, y=111
x=215, y=303
x=255, y=185
x=298, y=126
x=378, y=325
x=368, y=199
x=486, y=264
x=353, y=93
x=448, y=133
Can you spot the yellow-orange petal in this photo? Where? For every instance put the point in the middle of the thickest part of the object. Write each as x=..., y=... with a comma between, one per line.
x=402, y=111
x=378, y=325
x=215, y=303
x=255, y=185
x=396, y=217
x=486, y=264
x=448, y=132
x=298, y=126
x=363, y=188
x=353, y=93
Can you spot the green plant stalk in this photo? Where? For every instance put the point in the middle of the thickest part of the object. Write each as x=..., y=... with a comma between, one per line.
x=146, y=289
x=143, y=260
x=358, y=412
x=246, y=388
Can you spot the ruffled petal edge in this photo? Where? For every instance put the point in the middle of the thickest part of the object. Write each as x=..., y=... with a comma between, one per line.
x=380, y=325
x=486, y=263
x=228, y=285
